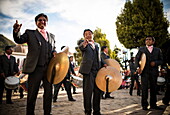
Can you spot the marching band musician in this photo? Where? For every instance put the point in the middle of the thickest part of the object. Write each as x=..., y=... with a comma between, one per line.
x=91, y=63
x=66, y=82
x=150, y=72
x=8, y=67
x=73, y=72
x=134, y=77
x=104, y=55
x=41, y=43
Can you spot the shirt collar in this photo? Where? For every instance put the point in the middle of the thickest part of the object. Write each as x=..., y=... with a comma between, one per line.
x=7, y=54
x=40, y=29
x=150, y=46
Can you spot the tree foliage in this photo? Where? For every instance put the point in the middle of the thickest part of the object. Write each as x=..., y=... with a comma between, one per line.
x=139, y=19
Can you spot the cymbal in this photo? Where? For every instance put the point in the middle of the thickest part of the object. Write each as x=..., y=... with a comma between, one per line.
x=113, y=63
x=114, y=76
x=142, y=61
x=58, y=68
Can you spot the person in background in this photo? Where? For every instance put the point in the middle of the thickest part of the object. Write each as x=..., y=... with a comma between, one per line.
x=8, y=67
x=21, y=90
x=41, y=43
x=67, y=84
x=104, y=55
x=90, y=65
x=73, y=72
x=149, y=75
x=134, y=77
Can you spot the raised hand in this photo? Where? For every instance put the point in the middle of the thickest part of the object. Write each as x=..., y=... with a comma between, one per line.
x=17, y=27
x=85, y=43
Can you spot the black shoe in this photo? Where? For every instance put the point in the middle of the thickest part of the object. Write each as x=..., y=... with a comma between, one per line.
x=75, y=93
x=156, y=107
x=145, y=108
x=130, y=94
x=72, y=99
x=9, y=102
x=21, y=96
x=97, y=113
x=109, y=97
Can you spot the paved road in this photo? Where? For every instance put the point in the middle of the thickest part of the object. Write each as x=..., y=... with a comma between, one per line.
x=123, y=104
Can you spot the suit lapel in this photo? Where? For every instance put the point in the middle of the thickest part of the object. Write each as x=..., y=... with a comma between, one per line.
x=147, y=50
x=49, y=38
x=37, y=34
x=153, y=49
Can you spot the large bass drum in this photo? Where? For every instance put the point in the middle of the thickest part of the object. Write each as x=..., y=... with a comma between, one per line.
x=11, y=82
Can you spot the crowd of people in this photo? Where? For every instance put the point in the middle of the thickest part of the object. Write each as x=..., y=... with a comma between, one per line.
x=41, y=49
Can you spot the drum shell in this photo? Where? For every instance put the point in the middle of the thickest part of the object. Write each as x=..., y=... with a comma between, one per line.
x=8, y=82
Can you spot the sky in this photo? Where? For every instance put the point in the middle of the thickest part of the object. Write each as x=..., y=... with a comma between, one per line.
x=67, y=19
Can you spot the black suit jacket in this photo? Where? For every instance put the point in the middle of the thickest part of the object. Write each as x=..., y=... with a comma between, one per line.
x=32, y=38
x=104, y=56
x=155, y=55
x=8, y=66
x=88, y=58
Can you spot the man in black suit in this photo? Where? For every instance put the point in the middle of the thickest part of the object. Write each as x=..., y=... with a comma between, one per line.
x=67, y=84
x=150, y=72
x=73, y=72
x=104, y=55
x=134, y=77
x=91, y=63
x=41, y=43
x=8, y=67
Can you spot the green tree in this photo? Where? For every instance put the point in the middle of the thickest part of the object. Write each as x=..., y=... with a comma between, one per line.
x=139, y=19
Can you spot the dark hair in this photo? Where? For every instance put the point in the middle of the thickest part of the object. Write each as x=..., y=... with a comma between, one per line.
x=103, y=47
x=7, y=48
x=62, y=47
x=151, y=37
x=39, y=15
x=87, y=30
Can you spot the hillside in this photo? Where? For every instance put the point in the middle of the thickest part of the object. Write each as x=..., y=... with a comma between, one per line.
x=4, y=42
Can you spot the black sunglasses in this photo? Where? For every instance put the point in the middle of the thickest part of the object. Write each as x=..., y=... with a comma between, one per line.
x=42, y=20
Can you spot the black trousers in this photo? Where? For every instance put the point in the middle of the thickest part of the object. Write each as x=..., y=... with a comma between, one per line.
x=67, y=86
x=90, y=89
x=34, y=81
x=149, y=81
x=133, y=79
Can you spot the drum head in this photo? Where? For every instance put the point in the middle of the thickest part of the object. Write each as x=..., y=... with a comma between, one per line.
x=12, y=80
